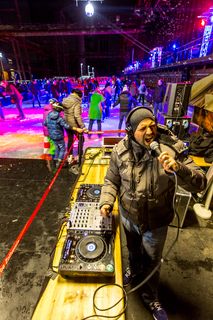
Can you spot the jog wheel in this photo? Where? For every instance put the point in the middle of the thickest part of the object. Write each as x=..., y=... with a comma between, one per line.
x=91, y=248
x=94, y=192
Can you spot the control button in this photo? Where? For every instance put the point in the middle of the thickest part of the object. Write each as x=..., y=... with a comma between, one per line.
x=110, y=267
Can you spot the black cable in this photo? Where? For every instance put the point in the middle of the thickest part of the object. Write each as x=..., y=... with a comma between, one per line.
x=170, y=248
x=60, y=232
x=93, y=160
x=124, y=297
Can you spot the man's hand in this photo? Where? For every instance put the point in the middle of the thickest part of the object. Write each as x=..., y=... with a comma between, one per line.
x=85, y=130
x=79, y=130
x=105, y=210
x=169, y=164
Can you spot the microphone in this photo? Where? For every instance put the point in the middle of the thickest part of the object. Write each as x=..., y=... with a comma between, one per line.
x=154, y=145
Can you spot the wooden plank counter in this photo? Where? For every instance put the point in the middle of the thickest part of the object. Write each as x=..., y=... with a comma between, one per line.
x=70, y=299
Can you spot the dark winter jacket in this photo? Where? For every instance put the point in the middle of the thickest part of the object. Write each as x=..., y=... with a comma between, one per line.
x=145, y=191
x=55, y=125
x=159, y=94
x=126, y=101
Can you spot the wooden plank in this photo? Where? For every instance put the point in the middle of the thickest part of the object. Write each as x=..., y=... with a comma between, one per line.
x=72, y=299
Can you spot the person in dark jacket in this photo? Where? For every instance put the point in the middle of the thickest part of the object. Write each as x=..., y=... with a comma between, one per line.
x=34, y=89
x=142, y=91
x=158, y=96
x=144, y=181
x=108, y=99
x=55, y=125
x=126, y=101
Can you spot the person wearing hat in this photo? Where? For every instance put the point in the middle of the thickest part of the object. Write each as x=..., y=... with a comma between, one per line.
x=142, y=172
x=73, y=116
x=49, y=146
x=55, y=125
x=125, y=100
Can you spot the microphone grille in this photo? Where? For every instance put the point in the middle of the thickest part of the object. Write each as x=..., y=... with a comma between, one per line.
x=154, y=145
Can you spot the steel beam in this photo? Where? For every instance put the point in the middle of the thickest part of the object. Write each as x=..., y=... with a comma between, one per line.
x=58, y=33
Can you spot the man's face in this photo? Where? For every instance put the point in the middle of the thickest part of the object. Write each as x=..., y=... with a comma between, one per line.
x=146, y=132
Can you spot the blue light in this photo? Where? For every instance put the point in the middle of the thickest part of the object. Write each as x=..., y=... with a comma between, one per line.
x=174, y=46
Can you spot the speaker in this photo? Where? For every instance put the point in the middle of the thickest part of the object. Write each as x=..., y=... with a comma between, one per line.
x=176, y=99
x=178, y=125
x=185, y=75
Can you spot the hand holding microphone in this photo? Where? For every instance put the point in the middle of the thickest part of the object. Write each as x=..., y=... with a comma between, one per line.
x=168, y=162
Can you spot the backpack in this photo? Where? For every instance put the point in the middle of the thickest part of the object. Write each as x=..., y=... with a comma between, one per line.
x=201, y=145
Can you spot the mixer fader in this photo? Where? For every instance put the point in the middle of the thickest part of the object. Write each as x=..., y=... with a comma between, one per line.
x=86, y=216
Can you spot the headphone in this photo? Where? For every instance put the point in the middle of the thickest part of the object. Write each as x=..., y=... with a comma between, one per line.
x=129, y=129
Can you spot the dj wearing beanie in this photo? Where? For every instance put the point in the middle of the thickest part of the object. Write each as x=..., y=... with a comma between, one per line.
x=141, y=173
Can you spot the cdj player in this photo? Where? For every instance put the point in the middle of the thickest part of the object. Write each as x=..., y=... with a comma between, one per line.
x=89, y=193
x=89, y=244
x=87, y=254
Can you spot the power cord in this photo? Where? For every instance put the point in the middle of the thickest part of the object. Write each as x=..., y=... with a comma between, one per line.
x=124, y=297
x=170, y=248
x=60, y=232
x=93, y=160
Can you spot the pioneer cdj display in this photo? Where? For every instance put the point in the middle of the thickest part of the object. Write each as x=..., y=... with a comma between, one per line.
x=88, y=248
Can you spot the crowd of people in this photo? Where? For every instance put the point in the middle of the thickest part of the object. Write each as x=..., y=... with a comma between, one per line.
x=59, y=88
x=71, y=95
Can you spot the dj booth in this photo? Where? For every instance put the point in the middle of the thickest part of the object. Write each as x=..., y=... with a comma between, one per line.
x=87, y=255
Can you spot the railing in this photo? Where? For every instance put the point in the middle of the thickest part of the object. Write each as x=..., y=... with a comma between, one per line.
x=183, y=54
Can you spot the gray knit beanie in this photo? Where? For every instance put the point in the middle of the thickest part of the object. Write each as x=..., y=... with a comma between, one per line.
x=137, y=115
